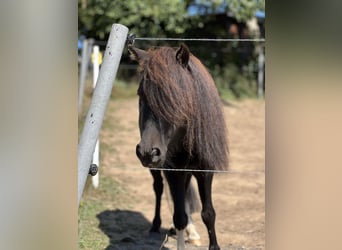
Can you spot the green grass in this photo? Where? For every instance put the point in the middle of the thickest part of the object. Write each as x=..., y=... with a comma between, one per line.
x=122, y=90
x=109, y=195
x=227, y=95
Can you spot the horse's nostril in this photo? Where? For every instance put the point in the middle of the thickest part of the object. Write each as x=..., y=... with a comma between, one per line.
x=137, y=151
x=155, y=152
x=149, y=157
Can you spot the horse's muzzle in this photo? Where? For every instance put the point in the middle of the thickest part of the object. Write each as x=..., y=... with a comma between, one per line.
x=150, y=158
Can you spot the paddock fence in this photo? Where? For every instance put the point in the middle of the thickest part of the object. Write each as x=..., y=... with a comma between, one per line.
x=88, y=149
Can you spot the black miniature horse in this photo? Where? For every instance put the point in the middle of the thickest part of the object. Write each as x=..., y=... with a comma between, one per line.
x=181, y=127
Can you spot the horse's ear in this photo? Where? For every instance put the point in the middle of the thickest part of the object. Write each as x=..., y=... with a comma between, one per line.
x=183, y=55
x=136, y=54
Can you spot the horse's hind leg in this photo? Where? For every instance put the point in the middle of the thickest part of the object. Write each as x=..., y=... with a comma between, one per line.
x=204, y=181
x=193, y=236
x=158, y=190
x=192, y=205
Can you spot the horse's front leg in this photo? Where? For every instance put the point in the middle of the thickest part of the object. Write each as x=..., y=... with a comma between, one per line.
x=177, y=183
x=158, y=190
x=204, y=181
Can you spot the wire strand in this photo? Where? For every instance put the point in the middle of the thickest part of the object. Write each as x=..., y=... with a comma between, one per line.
x=208, y=171
x=191, y=39
x=201, y=39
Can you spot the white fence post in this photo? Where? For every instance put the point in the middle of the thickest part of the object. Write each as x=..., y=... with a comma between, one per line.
x=86, y=52
x=96, y=155
x=103, y=89
x=261, y=65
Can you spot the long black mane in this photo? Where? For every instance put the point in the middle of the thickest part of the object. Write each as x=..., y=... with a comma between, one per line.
x=185, y=95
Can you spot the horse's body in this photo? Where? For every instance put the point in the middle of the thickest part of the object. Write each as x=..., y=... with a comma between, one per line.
x=181, y=127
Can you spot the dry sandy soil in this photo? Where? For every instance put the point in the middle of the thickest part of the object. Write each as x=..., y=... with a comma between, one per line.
x=238, y=197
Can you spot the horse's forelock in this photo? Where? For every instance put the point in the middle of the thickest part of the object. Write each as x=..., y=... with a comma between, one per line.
x=167, y=86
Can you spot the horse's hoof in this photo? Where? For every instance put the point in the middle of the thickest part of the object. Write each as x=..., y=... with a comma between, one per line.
x=214, y=248
x=195, y=242
x=172, y=231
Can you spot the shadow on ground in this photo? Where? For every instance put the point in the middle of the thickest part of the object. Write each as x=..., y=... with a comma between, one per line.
x=129, y=230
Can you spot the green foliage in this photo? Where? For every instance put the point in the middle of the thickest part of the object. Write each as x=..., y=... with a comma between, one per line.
x=234, y=84
x=123, y=89
x=146, y=18
x=243, y=10
x=152, y=17
x=233, y=63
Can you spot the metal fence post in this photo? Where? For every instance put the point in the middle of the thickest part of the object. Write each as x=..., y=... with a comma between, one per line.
x=96, y=156
x=95, y=115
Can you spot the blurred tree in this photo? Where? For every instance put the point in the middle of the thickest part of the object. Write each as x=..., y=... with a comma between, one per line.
x=146, y=18
x=156, y=17
x=232, y=64
x=243, y=10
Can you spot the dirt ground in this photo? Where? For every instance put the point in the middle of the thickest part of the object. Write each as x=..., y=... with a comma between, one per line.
x=238, y=197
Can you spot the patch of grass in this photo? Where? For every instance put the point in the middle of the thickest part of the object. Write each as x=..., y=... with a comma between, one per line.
x=122, y=90
x=226, y=94
x=94, y=201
